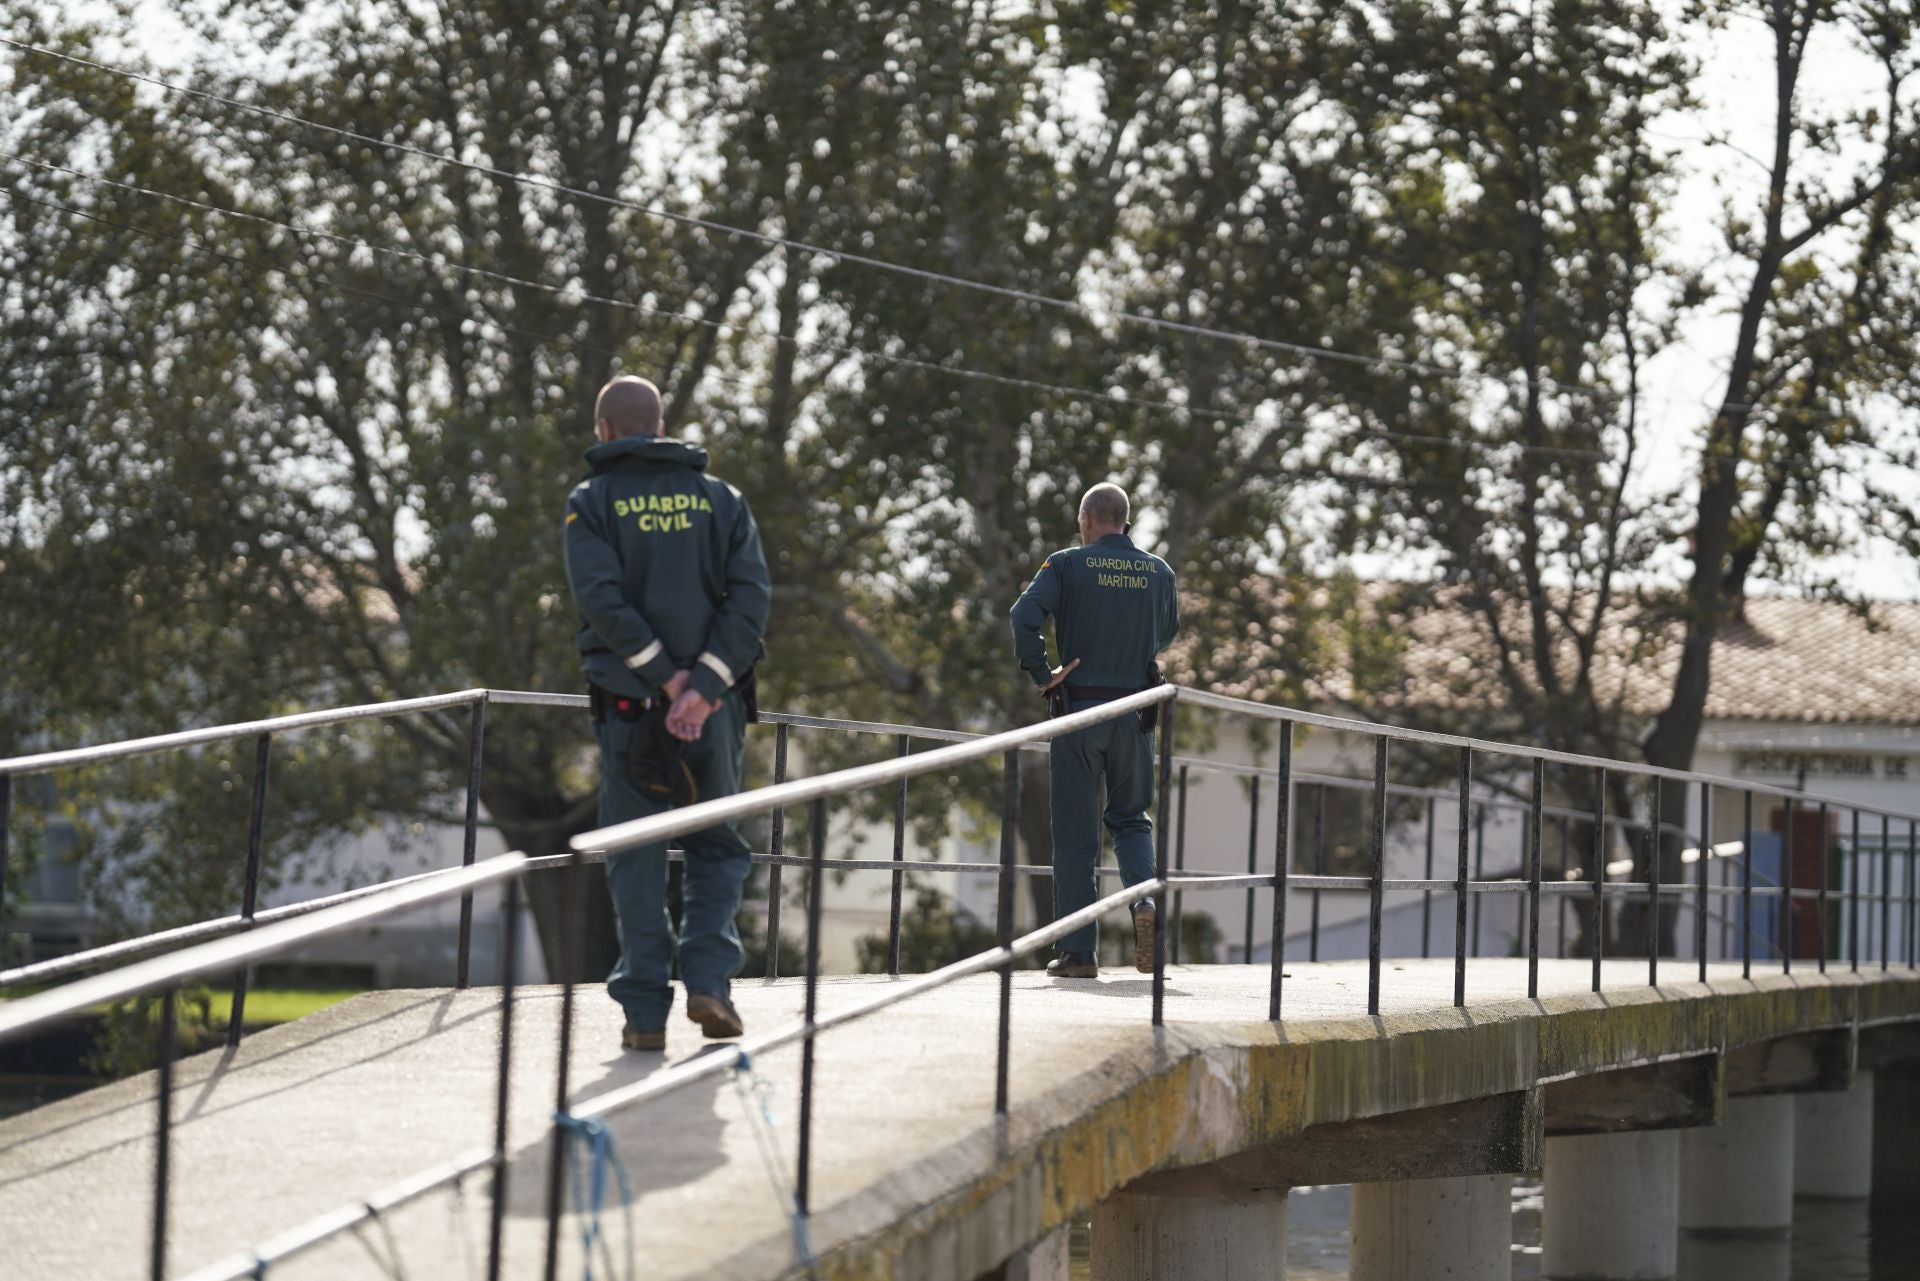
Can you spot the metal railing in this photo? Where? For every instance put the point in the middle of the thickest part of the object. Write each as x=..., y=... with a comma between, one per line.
x=311, y=920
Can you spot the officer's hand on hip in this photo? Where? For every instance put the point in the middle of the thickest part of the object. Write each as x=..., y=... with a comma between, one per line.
x=687, y=718
x=1059, y=674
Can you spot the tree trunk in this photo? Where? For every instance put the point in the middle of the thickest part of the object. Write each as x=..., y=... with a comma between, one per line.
x=546, y=900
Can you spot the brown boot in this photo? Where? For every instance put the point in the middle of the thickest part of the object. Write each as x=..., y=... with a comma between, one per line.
x=715, y=1015
x=1144, y=916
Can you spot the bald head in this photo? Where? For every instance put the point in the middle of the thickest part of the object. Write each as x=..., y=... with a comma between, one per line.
x=1103, y=510
x=627, y=406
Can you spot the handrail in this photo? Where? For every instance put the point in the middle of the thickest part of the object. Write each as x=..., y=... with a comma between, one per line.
x=68, y=758
x=222, y=955
x=218, y=927
x=72, y=963
x=1372, y=729
x=779, y=796
x=979, y=963
x=45, y=762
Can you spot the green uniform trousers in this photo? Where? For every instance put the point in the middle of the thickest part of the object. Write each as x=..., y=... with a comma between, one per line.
x=1118, y=753
x=716, y=869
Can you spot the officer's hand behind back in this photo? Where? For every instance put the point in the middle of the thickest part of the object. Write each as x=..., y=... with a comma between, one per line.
x=687, y=718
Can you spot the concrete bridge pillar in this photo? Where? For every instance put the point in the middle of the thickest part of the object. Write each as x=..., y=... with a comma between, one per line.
x=1433, y=1229
x=1737, y=1177
x=1833, y=1148
x=1612, y=1207
x=1176, y=1238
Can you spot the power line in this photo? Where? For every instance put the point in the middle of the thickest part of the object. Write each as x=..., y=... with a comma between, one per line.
x=807, y=345
x=1317, y=471
x=1187, y=329
x=487, y=319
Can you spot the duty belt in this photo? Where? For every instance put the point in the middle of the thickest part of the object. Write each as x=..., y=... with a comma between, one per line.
x=1080, y=697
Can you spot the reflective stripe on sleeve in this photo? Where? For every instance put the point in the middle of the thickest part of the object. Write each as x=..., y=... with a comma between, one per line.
x=719, y=668
x=645, y=656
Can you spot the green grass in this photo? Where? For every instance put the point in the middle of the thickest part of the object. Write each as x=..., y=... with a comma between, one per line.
x=279, y=1005
x=264, y=1005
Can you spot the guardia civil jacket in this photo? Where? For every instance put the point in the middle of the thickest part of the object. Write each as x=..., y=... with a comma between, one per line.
x=1114, y=607
x=666, y=567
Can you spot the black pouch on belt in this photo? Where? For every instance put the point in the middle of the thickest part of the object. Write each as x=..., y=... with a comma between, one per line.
x=748, y=687
x=657, y=761
x=1150, y=716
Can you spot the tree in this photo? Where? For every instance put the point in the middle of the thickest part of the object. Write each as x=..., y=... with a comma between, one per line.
x=1311, y=281
x=1560, y=278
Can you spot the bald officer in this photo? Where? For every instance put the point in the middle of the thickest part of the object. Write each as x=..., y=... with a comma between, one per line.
x=1114, y=609
x=666, y=567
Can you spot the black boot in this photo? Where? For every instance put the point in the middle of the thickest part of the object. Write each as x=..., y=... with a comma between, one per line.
x=1073, y=965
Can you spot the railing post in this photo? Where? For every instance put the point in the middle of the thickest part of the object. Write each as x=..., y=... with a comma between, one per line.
x=1319, y=868
x=1653, y=887
x=1820, y=931
x=1886, y=892
x=1597, y=933
x=1566, y=843
x=1460, y=879
x=1479, y=867
x=163, y=1131
x=1727, y=913
x=1009, y=826
x=476, y=740
x=1856, y=869
x=1160, y=863
x=1535, y=845
x=1177, y=899
x=899, y=874
x=6, y=826
x=816, y=885
x=1913, y=899
x=1282, y=854
x=1426, y=896
x=509, y=975
x=250, y=888
x=1786, y=892
x=574, y=898
x=1746, y=887
x=775, y=845
x=1253, y=864
x=1377, y=888
x=1701, y=881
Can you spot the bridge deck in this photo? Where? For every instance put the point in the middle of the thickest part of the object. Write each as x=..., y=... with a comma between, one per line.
x=911, y=1176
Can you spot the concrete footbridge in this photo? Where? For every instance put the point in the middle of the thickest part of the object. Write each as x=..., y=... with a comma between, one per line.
x=1182, y=1140
x=950, y=1126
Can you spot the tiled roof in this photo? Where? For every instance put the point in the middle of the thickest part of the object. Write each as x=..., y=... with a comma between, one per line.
x=1789, y=659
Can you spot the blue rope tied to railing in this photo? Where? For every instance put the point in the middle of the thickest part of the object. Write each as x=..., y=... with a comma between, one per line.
x=755, y=1097
x=590, y=1188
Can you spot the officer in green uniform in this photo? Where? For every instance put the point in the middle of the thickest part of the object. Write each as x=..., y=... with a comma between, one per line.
x=665, y=565
x=1114, y=609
